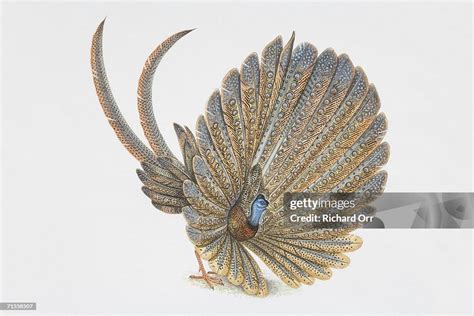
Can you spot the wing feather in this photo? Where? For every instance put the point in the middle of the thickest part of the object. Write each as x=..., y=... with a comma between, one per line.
x=269, y=67
x=249, y=91
x=298, y=73
x=204, y=237
x=162, y=199
x=308, y=104
x=199, y=202
x=157, y=186
x=250, y=281
x=314, y=135
x=200, y=222
x=234, y=118
x=236, y=273
x=274, y=264
x=261, y=282
x=210, y=251
x=207, y=183
x=274, y=86
x=188, y=147
x=216, y=166
x=220, y=264
x=221, y=140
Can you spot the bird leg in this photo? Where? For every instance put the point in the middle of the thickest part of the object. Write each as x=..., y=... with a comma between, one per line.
x=205, y=275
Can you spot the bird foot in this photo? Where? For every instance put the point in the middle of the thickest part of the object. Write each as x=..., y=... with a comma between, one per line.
x=206, y=276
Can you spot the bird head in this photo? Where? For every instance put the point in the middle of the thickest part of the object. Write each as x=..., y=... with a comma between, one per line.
x=259, y=206
x=260, y=201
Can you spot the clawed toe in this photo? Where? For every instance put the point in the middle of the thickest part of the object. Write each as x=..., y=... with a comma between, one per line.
x=206, y=277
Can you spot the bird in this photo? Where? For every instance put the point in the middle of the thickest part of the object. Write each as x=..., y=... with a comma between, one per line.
x=291, y=120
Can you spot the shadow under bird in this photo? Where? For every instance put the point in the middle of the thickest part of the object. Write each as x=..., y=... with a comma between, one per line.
x=291, y=121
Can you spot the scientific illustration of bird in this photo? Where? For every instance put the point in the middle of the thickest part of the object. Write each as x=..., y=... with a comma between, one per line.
x=292, y=120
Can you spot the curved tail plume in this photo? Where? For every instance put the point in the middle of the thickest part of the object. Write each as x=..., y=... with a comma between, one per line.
x=123, y=131
x=144, y=99
x=125, y=134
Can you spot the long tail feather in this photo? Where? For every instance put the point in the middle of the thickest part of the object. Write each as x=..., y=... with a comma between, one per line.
x=144, y=99
x=125, y=134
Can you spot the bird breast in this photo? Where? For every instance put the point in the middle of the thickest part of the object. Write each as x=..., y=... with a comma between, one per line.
x=239, y=226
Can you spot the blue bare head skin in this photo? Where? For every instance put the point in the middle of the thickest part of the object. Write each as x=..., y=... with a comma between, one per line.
x=259, y=206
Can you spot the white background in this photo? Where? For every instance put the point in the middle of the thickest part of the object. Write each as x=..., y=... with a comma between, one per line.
x=79, y=236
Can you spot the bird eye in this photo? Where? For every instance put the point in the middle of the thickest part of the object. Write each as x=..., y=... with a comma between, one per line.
x=262, y=202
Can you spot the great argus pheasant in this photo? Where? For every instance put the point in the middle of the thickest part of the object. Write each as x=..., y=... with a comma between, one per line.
x=292, y=120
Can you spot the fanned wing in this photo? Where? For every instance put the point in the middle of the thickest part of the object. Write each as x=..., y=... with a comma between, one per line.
x=311, y=124
x=332, y=143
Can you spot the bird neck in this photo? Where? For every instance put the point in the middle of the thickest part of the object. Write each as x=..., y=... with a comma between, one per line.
x=242, y=227
x=256, y=213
